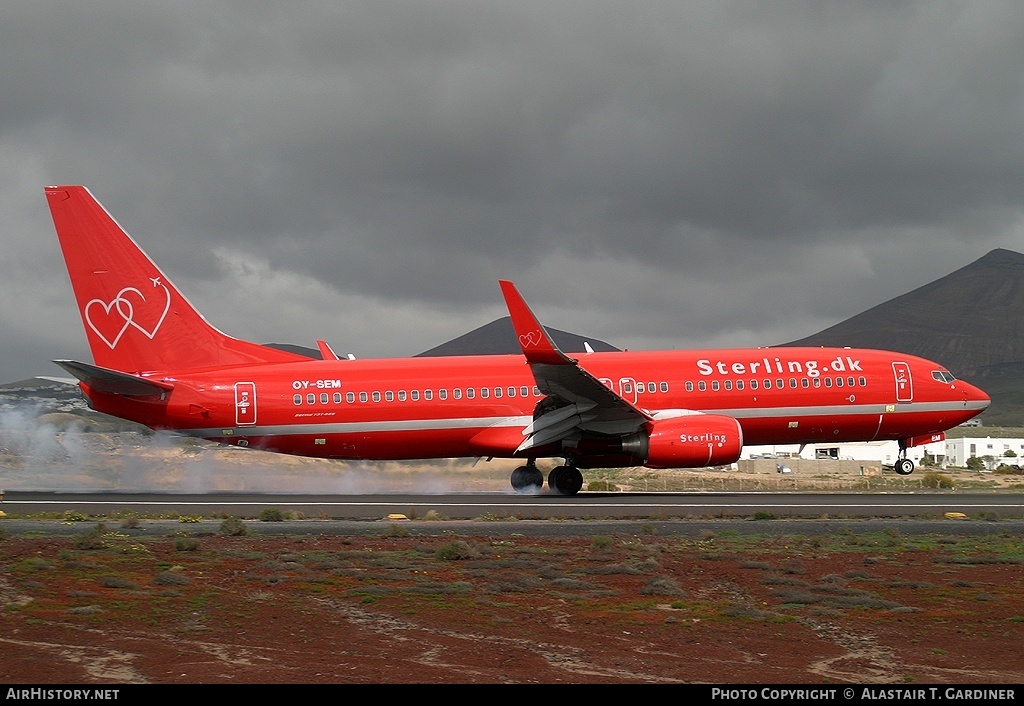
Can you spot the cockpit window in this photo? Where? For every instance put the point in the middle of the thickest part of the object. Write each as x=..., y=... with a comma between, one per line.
x=943, y=376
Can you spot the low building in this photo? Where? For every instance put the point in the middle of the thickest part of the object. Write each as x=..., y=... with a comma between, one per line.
x=951, y=452
x=993, y=452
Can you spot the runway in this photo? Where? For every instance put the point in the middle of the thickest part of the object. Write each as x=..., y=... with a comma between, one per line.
x=586, y=505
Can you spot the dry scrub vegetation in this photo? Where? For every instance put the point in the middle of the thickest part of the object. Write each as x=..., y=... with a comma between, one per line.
x=219, y=603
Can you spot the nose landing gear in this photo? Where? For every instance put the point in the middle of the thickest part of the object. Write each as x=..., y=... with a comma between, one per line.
x=904, y=466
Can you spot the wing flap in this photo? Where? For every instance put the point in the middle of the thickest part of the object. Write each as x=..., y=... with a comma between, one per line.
x=556, y=432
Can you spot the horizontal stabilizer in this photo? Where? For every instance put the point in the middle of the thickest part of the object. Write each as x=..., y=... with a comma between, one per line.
x=62, y=381
x=112, y=381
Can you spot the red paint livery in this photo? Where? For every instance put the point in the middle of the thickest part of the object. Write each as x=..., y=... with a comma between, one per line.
x=157, y=361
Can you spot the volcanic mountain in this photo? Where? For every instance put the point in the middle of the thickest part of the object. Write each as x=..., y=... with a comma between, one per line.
x=495, y=338
x=499, y=337
x=971, y=321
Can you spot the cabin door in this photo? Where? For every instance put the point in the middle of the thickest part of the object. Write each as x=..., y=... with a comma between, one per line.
x=245, y=404
x=904, y=383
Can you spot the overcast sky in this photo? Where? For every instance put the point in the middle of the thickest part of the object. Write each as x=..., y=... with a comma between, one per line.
x=652, y=174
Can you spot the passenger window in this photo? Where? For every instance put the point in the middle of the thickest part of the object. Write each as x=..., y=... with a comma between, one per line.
x=414, y=395
x=457, y=393
x=362, y=397
x=767, y=384
x=376, y=396
x=652, y=387
x=401, y=395
x=753, y=384
x=337, y=398
x=297, y=399
x=350, y=397
x=389, y=396
x=485, y=392
x=428, y=394
x=739, y=384
x=323, y=398
x=715, y=385
x=442, y=394
x=689, y=386
x=511, y=391
x=311, y=398
x=702, y=386
x=728, y=384
x=497, y=392
x=470, y=392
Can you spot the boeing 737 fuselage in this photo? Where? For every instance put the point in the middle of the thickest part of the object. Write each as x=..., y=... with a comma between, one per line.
x=158, y=362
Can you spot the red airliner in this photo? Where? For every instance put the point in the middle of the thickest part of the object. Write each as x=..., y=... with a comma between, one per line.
x=158, y=362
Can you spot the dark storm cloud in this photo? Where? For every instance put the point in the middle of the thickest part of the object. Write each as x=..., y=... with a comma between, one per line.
x=669, y=174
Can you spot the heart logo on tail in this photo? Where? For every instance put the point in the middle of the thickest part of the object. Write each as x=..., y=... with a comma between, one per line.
x=129, y=309
x=532, y=338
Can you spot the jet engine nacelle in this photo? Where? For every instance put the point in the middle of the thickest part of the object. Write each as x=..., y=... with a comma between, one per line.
x=692, y=441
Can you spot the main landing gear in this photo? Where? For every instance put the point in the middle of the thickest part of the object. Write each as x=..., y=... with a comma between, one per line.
x=564, y=480
x=527, y=479
x=904, y=466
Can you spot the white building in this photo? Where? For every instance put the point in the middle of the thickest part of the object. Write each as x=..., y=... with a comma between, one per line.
x=992, y=451
x=885, y=452
x=951, y=452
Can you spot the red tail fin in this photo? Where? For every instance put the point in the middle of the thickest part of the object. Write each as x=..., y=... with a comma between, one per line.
x=134, y=317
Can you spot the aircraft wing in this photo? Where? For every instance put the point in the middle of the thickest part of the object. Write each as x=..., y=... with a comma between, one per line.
x=582, y=402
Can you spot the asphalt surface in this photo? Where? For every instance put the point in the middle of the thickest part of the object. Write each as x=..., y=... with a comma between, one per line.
x=503, y=514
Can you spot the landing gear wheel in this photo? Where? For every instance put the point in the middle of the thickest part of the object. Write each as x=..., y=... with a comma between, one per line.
x=565, y=480
x=527, y=479
x=903, y=466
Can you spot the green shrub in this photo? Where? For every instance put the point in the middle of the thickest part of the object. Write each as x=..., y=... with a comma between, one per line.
x=171, y=578
x=93, y=539
x=271, y=514
x=233, y=527
x=936, y=480
x=457, y=550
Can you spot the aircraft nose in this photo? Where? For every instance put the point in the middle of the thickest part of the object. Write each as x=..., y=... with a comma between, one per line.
x=976, y=395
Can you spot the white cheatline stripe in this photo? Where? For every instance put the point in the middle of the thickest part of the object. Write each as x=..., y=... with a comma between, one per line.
x=741, y=413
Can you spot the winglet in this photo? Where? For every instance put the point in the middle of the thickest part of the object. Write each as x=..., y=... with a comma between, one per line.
x=533, y=339
x=326, y=352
